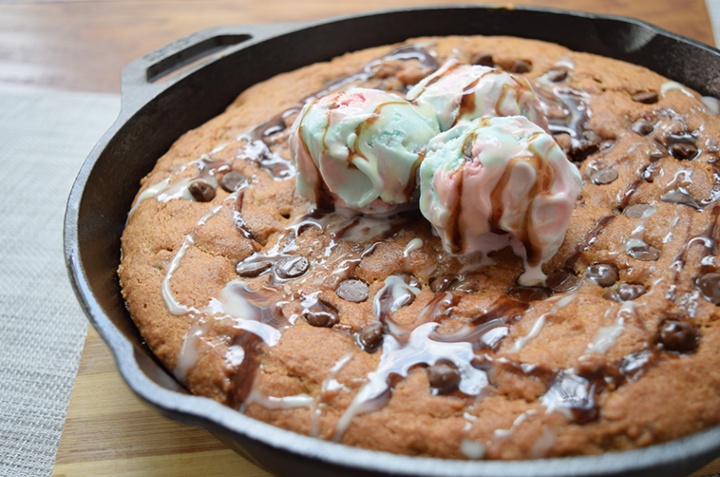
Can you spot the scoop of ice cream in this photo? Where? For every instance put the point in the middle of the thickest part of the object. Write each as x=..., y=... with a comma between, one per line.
x=360, y=149
x=457, y=92
x=494, y=182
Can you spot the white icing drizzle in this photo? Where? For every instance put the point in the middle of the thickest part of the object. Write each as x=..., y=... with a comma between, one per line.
x=505, y=433
x=235, y=356
x=274, y=402
x=669, y=236
x=398, y=359
x=712, y=104
x=636, y=240
x=560, y=302
x=329, y=385
x=189, y=352
x=247, y=309
x=151, y=192
x=173, y=305
x=606, y=336
x=568, y=391
x=534, y=331
x=472, y=449
x=414, y=244
x=673, y=86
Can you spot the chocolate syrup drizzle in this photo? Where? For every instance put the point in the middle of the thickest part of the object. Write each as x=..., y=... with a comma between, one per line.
x=473, y=348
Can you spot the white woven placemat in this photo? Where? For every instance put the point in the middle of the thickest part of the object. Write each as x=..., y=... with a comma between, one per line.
x=44, y=138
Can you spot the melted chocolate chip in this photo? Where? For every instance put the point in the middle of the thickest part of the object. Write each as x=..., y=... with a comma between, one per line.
x=442, y=283
x=251, y=269
x=528, y=294
x=201, y=191
x=604, y=176
x=603, y=274
x=625, y=292
x=321, y=314
x=371, y=337
x=636, y=211
x=352, y=290
x=646, y=97
x=520, y=66
x=635, y=363
x=683, y=150
x=291, y=267
x=655, y=155
x=644, y=252
x=678, y=336
x=642, y=127
x=556, y=76
x=682, y=197
x=709, y=286
x=587, y=144
x=482, y=59
x=561, y=281
x=233, y=181
x=574, y=393
x=444, y=377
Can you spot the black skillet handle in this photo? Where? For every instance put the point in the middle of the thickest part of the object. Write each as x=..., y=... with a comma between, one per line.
x=148, y=76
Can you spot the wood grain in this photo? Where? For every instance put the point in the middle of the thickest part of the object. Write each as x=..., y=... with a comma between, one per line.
x=110, y=432
x=82, y=45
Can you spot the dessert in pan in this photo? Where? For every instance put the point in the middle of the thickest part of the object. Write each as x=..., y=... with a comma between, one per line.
x=459, y=247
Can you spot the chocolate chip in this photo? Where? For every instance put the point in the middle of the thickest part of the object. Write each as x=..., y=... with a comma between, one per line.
x=636, y=211
x=556, y=76
x=528, y=294
x=655, y=155
x=683, y=150
x=607, y=144
x=482, y=59
x=603, y=274
x=561, y=281
x=291, y=267
x=352, y=290
x=709, y=286
x=442, y=283
x=444, y=377
x=678, y=336
x=233, y=181
x=249, y=269
x=625, y=292
x=604, y=176
x=587, y=145
x=371, y=337
x=201, y=190
x=520, y=66
x=646, y=97
x=642, y=127
x=642, y=251
x=321, y=314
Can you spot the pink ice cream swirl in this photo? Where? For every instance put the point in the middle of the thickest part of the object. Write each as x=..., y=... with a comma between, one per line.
x=494, y=182
x=459, y=92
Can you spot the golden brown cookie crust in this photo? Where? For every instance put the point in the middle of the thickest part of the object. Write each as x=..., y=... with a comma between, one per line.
x=621, y=350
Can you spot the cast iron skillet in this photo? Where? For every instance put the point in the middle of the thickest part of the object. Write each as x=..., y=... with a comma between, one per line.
x=158, y=108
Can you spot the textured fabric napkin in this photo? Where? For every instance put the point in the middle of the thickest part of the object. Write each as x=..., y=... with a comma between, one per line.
x=44, y=138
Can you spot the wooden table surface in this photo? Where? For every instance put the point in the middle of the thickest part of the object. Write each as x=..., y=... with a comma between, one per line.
x=81, y=46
